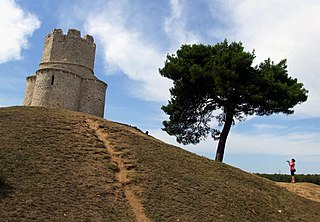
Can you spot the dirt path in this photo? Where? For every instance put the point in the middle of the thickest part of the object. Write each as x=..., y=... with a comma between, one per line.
x=307, y=190
x=124, y=168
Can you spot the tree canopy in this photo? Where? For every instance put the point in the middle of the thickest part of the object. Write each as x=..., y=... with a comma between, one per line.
x=220, y=82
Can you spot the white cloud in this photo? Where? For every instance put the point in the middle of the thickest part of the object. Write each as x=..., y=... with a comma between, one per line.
x=125, y=49
x=283, y=29
x=16, y=26
x=174, y=26
x=130, y=46
x=263, y=127
x=292, y=144
x=261, y=143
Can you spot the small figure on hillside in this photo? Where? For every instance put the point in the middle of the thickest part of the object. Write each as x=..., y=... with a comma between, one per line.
x=292, y=169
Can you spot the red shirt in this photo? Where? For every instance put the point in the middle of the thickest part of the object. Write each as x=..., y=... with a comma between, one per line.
x=291, y=164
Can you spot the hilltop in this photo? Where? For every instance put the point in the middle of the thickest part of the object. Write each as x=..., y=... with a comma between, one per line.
x=59, y=165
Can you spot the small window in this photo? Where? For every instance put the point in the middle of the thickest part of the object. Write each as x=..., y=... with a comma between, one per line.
x=52, y=79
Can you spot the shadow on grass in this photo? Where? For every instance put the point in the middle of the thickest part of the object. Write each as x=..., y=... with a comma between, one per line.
x=5, y=189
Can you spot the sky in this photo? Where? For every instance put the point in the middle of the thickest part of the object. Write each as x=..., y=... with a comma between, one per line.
x=133, y=38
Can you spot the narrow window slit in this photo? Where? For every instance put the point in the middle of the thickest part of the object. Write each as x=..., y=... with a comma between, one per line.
x=52, y=79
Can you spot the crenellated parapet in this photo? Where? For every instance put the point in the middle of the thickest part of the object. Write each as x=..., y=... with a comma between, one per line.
x=70, y=51
x=71, y=34
x=65, y=78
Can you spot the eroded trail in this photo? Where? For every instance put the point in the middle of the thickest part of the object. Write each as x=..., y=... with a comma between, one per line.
x=124, y=169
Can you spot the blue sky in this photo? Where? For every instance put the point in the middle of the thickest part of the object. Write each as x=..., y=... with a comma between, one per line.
x=133, y=38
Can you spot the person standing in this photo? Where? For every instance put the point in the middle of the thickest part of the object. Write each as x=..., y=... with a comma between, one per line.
x=292, y=169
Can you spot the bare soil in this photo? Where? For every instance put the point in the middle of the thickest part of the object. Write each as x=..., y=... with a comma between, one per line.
x=125, y=168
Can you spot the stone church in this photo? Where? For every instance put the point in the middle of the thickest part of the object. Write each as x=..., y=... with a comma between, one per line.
x=65, y=78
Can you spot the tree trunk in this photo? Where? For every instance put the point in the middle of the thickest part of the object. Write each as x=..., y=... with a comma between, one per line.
x=223, y=136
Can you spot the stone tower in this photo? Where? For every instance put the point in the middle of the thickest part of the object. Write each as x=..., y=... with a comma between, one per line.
x=65, y=78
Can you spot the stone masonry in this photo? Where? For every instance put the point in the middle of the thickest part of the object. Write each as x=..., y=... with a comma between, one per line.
x=65, y=78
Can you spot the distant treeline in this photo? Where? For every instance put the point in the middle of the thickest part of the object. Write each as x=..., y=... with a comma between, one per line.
x=310, y=178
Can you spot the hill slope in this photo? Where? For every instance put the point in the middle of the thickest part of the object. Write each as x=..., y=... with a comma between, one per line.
x=59, y=165
x=307, y=190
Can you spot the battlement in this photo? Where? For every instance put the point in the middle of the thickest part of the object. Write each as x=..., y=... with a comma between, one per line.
x=65, y=78
x=69, y=52
x=73, y=34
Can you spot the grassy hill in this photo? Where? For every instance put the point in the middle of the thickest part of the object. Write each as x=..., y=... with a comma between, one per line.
x=58, y=165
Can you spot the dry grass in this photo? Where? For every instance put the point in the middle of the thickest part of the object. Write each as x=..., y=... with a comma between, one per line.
x=307, y=190
x=55, y=168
